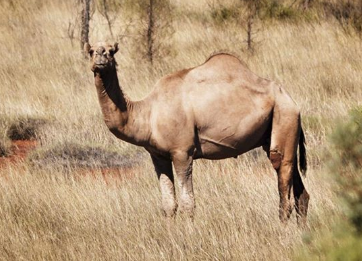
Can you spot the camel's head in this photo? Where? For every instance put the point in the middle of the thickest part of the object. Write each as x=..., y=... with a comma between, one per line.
x=101, y=56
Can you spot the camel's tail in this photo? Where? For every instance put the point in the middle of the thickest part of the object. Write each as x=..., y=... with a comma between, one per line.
x=302, y=154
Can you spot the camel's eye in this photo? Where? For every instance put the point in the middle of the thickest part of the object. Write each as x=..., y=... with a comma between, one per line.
x=91, y=52
x=111, y=52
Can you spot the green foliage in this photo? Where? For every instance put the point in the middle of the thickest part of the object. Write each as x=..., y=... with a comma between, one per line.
x=347, y=140
x=345, y=241
x=336, y=245
x=347, y=161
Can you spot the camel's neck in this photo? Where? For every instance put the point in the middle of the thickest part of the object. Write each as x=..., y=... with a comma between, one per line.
x=120, y=114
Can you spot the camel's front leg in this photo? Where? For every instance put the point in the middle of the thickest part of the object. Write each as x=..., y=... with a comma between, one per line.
x=163, y=169
x=182, y=162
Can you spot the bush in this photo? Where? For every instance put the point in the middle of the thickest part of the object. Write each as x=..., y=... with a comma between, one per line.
x=347, y=162
x=345, y=241
x=25, y=128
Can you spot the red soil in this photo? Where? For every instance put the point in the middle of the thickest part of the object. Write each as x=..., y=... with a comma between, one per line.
x=19, y=151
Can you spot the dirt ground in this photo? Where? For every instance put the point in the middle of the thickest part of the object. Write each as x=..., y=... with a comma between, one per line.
x=19, y=151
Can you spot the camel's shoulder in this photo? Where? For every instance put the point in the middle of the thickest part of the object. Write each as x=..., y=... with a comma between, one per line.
x=172, y=79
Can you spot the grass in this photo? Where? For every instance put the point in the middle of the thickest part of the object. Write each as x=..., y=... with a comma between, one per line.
x=82, y=218
x=46, y=213
x=5, y=142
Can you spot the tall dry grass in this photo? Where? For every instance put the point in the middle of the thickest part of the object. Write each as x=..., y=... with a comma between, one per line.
x=52, y=214
x=47, y=215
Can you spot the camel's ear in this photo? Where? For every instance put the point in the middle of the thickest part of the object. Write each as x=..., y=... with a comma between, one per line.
x=87, y=48
x=115, y=47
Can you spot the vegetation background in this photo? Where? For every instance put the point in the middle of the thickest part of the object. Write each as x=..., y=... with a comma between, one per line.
x=66, y=201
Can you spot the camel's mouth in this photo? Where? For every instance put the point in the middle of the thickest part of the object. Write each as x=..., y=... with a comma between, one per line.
x=100, y=65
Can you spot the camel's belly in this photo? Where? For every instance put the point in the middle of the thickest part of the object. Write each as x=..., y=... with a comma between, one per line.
x=211, y=149
x=208, y=150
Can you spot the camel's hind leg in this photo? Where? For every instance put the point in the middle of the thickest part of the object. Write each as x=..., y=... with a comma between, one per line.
x=284, y=169
x=282, y=154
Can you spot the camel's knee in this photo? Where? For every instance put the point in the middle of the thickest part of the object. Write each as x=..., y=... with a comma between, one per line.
x=275, y=158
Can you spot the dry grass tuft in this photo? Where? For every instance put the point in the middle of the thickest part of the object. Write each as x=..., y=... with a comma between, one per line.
x=5, y=145
x=5, y=142
x=71, y=155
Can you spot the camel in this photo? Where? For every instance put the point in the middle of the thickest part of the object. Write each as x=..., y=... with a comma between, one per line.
x=217, y=110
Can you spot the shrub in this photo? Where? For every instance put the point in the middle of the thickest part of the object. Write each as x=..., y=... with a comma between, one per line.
x=347, y=162
x=24, y=128
x=345, y=241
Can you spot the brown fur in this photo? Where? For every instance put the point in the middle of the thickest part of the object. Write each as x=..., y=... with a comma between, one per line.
x=217, y=110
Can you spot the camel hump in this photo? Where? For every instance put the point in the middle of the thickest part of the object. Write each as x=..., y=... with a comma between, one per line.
x=223, y=55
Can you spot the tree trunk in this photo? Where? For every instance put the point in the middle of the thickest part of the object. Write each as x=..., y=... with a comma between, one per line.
x=84, y=35
x=150, y=32
x=249, y=39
